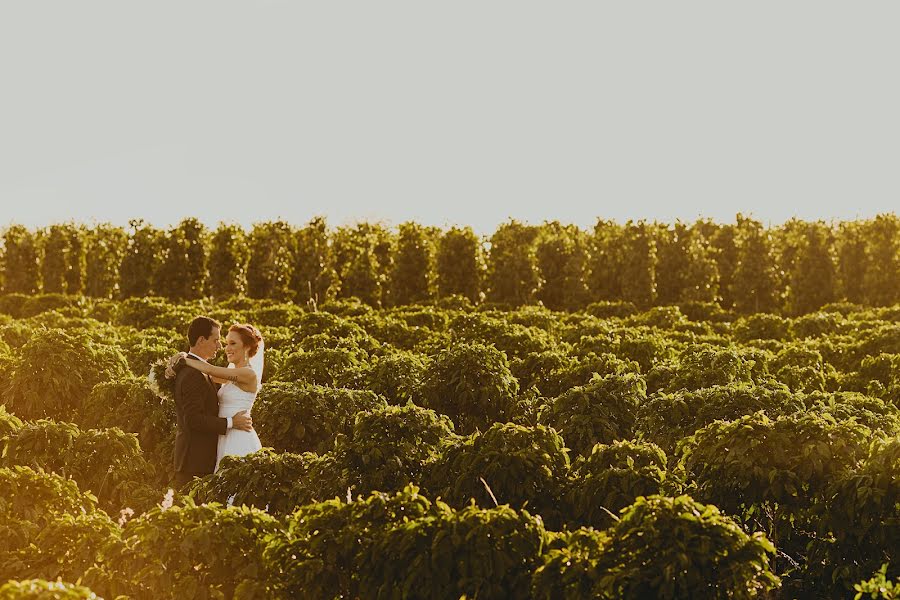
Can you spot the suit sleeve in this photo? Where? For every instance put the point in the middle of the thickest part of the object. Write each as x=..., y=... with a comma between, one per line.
x=192, y=390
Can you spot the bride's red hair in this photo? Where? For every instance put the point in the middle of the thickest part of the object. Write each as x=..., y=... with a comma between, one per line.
x=249, y=335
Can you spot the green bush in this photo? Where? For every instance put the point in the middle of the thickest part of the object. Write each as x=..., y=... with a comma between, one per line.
x=816, y=324
x=55, y=371
x=602, y=411
x=131, y=405
x=479, y=553
x=876, y=414
x=664, y=419
x=644, y=346
x=107, y=462
x=192, y=551
x=862, y=515
x=611, y=478
x=395, y=376
x=761, y=326
x=508, y=464
x=67, y=547
x=703, y=365
x=39, y=589
x=568, y=566
x=322, y=366
x=607, y=309
x=391, y=447
x=326, y=548
x=296, y=417
x=665, y=547
x=801, y=368
x=29, y=501
x=42, y=303
x=510, y=338
x=470, y=383
x=141, y=312
x=142, y=348
x=277, y=482
x=660, y=317
x=788, y=461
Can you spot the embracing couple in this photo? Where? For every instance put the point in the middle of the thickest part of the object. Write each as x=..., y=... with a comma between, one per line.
x=212, y=404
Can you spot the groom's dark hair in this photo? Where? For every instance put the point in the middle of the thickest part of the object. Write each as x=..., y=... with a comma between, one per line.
x=201, y=327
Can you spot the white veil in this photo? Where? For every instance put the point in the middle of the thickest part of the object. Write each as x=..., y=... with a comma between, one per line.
x=258, y=361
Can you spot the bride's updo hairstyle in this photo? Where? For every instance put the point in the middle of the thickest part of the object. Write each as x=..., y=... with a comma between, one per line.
x=249, y=335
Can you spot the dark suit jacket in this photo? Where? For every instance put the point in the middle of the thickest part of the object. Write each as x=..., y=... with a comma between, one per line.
x=198, y=423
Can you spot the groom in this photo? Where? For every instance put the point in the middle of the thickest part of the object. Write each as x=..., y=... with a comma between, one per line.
x=197, y=407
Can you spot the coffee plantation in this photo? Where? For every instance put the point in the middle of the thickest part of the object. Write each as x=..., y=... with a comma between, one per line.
x=454, y=447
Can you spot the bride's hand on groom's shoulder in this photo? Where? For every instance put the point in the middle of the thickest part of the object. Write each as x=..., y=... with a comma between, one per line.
x=173, y=362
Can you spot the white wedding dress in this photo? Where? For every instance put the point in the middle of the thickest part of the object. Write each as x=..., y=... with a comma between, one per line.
x=235, y=442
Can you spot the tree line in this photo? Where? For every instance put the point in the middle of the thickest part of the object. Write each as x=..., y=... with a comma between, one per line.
x=793, y=268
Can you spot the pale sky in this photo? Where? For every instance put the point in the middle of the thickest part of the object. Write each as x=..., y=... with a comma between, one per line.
x=445, y=113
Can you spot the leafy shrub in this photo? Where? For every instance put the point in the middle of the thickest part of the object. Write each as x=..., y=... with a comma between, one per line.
x=664, y=419
x=520, y=466
x=541, y=370
x=878, y=376
x=277, y=482
x=472, y=384
x=296, y=417
x=705, y=312
x=131, y=405
x=12, y=304
x=645, y=347
x=483, y=553
x=816, y=324
x=67, y=547
x=39, y=589
x=661, y=317
x=428, y=317
x=276, y=315
x=145, y=347
x=607, y=309
x=602, y=411
x=192, y=551
x=391, y=447
x=42, y=303
x=394, y=331
x=333, y=324
x=861, y=514
x=611, y=478
x=702, y=365
x=665, y=547
x=108, y=462
x=568, y=566
x=876, y=414
x=511, y=338
x=29, y=501
x=761, y=326
x=801, y=368
x=323, y=366
x=141, y=312
x=55, y=371
x=395, y=376
x=788, y=461
x=326, y=548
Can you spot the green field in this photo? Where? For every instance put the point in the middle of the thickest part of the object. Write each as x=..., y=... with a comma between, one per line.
x=638, y=411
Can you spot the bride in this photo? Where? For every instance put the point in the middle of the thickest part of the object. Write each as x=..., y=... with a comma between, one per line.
x=240, y=381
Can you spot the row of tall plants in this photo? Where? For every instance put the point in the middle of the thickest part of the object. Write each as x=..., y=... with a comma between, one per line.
x=794, y=268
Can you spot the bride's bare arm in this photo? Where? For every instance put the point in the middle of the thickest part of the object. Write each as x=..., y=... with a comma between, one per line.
x=242, y=376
